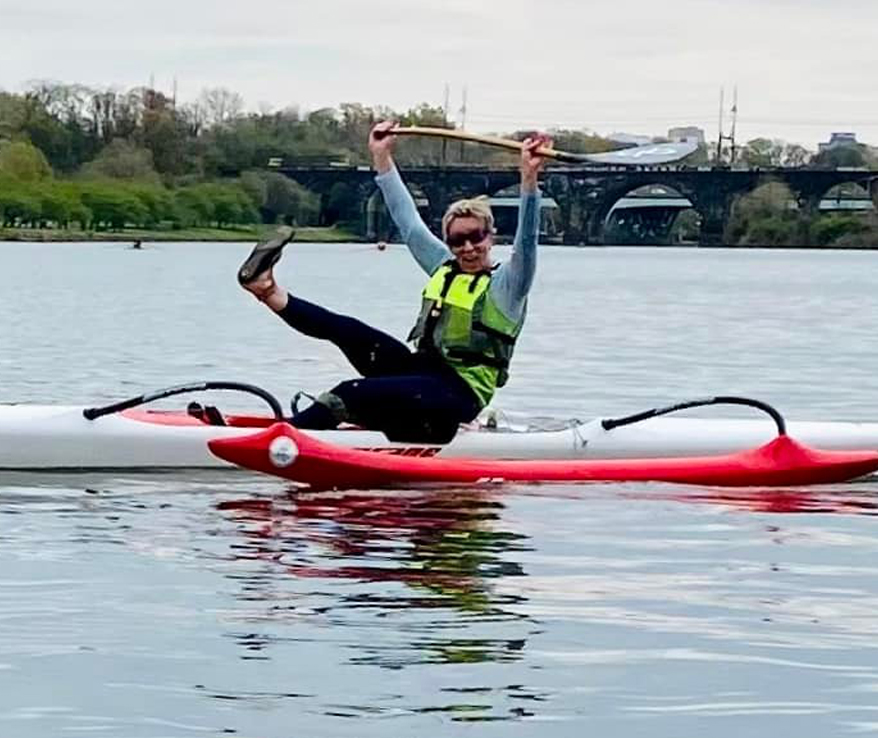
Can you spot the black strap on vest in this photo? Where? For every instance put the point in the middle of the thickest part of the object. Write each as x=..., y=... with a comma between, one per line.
x=473, y=358
x=475, y=282
x=425, y=345
x=494, y=333
x=449, y=279
x=454, y=269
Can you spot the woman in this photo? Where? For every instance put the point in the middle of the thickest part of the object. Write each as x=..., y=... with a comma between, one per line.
x=471, y=314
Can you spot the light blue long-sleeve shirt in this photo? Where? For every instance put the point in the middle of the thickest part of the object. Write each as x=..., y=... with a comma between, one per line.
x=510, y=282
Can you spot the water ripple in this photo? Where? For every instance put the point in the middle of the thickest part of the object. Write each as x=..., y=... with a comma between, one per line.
x=170, y=605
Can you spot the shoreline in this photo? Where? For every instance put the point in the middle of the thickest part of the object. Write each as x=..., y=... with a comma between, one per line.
x=326, y=235
x=232, y=235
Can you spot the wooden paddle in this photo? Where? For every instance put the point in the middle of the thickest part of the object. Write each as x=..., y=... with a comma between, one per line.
x=656, y=153
x=496, y=141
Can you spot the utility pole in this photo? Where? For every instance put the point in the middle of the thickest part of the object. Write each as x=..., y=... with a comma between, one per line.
x=462, y=118
x=734, y=122
x=445, y=105
x=731, y=137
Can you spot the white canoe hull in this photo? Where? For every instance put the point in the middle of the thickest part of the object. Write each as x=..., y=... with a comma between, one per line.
x=59, y=437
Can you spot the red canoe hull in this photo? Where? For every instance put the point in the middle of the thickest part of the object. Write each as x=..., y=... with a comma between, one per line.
x=286, y=452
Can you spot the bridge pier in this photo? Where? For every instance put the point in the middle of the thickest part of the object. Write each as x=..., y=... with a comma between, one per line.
x=374, y=214
x=557, y=186
x=439, y=197
x=712, y=232
x=586, y=204
x=713, y=201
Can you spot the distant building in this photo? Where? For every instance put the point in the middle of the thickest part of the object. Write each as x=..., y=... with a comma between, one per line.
x=839, y=139
x=686, y=134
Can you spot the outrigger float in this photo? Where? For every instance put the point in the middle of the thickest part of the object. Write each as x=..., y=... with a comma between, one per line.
x=646, y=446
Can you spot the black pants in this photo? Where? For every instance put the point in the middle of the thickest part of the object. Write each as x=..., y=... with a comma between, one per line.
x=408, y=396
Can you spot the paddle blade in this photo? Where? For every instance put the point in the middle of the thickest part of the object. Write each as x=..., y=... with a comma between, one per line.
x=647, y=155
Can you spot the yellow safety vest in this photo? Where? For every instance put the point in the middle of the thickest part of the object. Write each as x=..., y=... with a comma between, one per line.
x=461, y=323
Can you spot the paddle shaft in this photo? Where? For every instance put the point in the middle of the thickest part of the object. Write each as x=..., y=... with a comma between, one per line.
x=497, y=142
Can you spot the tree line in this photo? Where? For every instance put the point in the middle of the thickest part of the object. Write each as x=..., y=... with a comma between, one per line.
x=104, y=159
x=767, y=217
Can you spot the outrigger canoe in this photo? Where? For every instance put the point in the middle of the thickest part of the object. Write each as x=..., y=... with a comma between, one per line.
x=123, y=435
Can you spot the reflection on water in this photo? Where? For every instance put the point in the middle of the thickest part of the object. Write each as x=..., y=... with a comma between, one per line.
x=250, y=608
x=843, y=499
x=434, y=553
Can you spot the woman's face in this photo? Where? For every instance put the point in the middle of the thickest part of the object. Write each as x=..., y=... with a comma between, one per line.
x=470, y=243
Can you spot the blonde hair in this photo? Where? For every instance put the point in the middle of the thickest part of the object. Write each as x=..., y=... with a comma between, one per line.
x=475, y=207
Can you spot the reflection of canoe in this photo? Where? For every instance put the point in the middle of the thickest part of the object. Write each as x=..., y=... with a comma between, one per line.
x=44, y=436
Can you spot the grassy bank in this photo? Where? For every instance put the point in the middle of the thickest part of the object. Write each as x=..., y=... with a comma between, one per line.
x=246, y=233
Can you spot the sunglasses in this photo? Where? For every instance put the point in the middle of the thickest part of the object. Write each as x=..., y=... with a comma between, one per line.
x=459, y=240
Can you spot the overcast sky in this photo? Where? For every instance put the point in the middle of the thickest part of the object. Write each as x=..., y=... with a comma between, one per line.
x=803, y=67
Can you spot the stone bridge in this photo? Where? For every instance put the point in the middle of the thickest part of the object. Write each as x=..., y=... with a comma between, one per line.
x=585, y=195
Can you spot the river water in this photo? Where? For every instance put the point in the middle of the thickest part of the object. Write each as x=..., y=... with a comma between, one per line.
x=174, y=605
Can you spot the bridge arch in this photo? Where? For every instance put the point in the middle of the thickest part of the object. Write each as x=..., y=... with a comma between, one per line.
x=848, y=197
x=652, y=214
x=656, y=221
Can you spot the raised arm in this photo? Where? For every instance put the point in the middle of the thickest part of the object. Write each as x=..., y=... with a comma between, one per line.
x=428, y=250
x=514, y=278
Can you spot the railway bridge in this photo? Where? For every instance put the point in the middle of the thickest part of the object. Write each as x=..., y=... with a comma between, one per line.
x=584, y=195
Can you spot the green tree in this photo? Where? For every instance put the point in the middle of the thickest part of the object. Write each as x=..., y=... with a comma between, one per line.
x=219, y=106
x=287, y=201
x=841, y=156
x=795, y=155
x=19, y=205
x=164, y=133
x=122, y=159
x=13, y=115
x=827, y=230
x=157, y=201
x=254, y=184
x=578, y=142
x=340, y=205
x=23, y=161
x=229, y=202
x=763, y=153
x=111, y=206
x=60, y=204
x=767, y=217
x=55, y=123
x=194, y=206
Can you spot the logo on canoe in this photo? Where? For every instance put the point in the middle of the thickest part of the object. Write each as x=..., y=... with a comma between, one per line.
x=425, y=451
